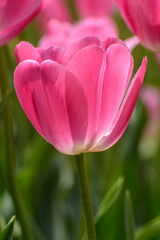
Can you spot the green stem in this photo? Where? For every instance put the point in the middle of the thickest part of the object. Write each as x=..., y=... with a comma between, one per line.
x=9, y=154
x=86, y=201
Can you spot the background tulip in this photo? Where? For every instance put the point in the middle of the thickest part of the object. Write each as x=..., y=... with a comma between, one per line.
x=14, y=16
x=55, y=9
x=73, y=97
x=143, y=18
x=150, y=139
x=90, y=8
x=62, y=34
x=151, y=98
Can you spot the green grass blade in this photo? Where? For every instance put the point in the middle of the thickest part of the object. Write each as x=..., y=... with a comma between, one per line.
x=6, y=233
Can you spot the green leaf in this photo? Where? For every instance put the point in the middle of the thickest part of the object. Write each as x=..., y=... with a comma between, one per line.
x=108, y=201
x=110, y=198
x=149, y=230
x=129, y=218
x=6, y=233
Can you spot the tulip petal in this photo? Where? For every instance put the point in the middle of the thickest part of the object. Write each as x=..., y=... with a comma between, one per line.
x=102, y=27
x=15, y=15
x=25, y=50
x=117, y=73
x=111, y=40
x=31, y=94
x=57, y=33
x=28, y=88
x=87, y=8
x=77, y=109
x=75, y=47
x=57, y=110
x=86, y=66
x=132, y=42
x=143, y=19
x=54, y=9
x=53, y=53
x=67, y=105
x=124, y=114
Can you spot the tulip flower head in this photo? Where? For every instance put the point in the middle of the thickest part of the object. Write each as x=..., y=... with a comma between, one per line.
x=15, y=15
x=143, y=18
x=63, y=34
x=79, y=97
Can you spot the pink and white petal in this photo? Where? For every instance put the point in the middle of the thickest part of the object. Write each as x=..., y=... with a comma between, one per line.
x=116, y=77
x=25, y=50
x=67, y=104
x=132, y=42
x=75, y=47
x=119, y=125
x=86, y=66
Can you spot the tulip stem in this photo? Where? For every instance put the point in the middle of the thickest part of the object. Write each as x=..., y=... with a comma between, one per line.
x=8, y=147
x=86, y=200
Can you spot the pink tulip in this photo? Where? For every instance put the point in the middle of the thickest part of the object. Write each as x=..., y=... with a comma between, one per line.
x=15, y=15
x=93, y=8
x=143, y=17
x=62, y=34
x=79, y=98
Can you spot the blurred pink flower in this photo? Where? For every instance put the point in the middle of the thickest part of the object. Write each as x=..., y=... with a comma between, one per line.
x=143, y=17
x=55, y=9
x=151, y=97
x=62, y=34
x=94, y=8
x=15, y=15
x=76, y=97
x=158, y=58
